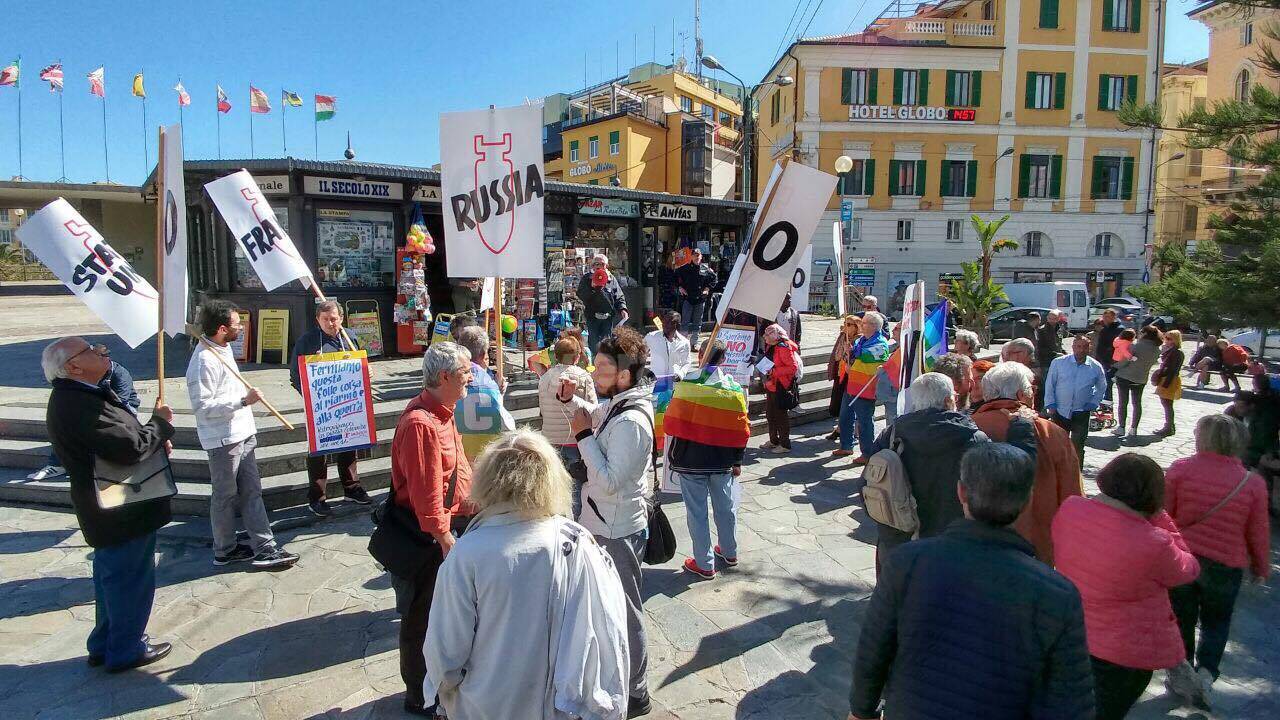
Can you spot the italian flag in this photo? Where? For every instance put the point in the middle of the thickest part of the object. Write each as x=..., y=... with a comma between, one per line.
x=325, y=107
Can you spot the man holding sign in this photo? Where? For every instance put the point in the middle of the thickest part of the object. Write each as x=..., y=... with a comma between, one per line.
x=227, y=432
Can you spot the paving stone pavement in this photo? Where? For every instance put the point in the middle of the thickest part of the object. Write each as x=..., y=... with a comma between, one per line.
x=770, y=639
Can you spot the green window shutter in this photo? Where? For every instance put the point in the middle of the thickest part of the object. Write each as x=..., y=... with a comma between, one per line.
x=613, y=137
x=1126, y=179
x=1108, y=21
x=1031, y=90
x=922, y=89
x=972, y=184
x=1024, y=175
x=1095, y=184
x=873, y=83
x=975, y=89
x=1049, y=14
x=846, y=86
x=951, y=87
x=893, y=177
x=1135, y=16
x=1055, y=176
x=897, y=86
x=1060, y=90
x=920, y=177
x=943, y=190
x=1104, y=82
x=869, y=176
x=1131, y=88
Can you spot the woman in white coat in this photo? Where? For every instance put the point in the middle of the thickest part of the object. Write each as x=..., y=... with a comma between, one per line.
x=529, y=619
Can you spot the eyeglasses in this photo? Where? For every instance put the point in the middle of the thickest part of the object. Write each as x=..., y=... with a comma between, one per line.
x=98, y=348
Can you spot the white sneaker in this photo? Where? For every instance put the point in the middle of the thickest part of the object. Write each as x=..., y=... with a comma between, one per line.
x=48, y=472
x=1118, y=431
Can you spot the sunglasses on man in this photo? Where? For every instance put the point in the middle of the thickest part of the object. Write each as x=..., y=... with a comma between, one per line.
x=98, y=348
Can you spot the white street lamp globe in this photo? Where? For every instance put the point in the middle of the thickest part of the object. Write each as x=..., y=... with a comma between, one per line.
x=844, y=164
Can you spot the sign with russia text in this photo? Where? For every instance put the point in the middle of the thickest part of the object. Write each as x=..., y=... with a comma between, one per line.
x=338, y=401
x=491, y=178
x=79, y=256
x=253, y=224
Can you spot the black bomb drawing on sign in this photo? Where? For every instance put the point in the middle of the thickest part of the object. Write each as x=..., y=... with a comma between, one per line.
x=103, y=262
x=499, y=190
x=262, y=238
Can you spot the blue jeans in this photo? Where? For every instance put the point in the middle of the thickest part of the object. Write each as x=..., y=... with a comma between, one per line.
x=696, y=489
x=859, y=411
x=570, y=454
x=691, y=314
x=124, y=584
x=598, y=330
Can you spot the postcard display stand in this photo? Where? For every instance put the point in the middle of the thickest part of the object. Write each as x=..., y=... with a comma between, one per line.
x=413, y=307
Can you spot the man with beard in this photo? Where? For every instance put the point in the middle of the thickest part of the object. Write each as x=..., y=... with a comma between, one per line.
x=224, y=422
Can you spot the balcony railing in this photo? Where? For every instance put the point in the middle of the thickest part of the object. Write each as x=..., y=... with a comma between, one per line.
x=973, y=29
x=954, y=28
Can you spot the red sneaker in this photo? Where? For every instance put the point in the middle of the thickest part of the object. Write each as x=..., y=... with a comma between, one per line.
x=730, y=561
x=841, y=453
x=860, y=461
x=691, y=566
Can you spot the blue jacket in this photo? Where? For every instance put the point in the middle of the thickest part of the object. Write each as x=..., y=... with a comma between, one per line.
x=1073, y=387
x=312, y=342
x=120, y=382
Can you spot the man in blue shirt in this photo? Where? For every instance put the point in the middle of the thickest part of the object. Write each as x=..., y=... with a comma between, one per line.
x=1075, y=385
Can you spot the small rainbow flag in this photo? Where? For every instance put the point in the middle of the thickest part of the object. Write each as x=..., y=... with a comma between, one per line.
x=663, y=388
x=710, y=409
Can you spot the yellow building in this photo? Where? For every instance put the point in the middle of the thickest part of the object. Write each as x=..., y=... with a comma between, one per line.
x=989, y=107
x=1179, y=219
x=656, y=128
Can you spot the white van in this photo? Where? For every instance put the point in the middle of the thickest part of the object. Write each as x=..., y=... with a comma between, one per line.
x=1071, y=299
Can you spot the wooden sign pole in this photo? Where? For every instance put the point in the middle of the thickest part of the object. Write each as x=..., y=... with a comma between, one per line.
x=497, y=323
x=315, y=288
x=160, y=257
x=265, y=403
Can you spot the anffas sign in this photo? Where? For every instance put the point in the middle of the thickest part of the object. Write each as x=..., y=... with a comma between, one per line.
x=669, y=211
x=78, y=255
x=910, y=113
x=253, y=224
x=491, y=178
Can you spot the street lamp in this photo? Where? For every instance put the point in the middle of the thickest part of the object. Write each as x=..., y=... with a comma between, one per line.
x=748, y=113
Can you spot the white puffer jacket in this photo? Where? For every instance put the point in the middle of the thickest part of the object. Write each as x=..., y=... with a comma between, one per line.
x=618, y=455
x=555, y=414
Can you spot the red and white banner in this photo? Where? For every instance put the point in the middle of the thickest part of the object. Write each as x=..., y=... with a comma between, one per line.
x=78, y=255
x=175, y=234
x=253, y=224
x=491, y=179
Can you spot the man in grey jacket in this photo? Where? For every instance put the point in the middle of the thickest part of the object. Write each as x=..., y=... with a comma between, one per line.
x=615, y=438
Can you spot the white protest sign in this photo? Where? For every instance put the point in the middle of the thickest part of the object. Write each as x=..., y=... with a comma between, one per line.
x=837, y=248
x=738, y=342
x=253, y=224
x=491, y=178
x=175, y=234
x=98, y=275
x=911, y=335
x=339, y=404
x=800, y=281
x=789, y=216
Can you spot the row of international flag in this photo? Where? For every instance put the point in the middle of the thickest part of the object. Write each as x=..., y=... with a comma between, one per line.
x=325, y=105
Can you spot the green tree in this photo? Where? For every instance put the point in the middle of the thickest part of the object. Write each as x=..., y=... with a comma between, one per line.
x=990, y=245
x=1233, y=280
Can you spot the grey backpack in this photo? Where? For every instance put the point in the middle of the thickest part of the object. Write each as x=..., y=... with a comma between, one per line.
x=887, y=493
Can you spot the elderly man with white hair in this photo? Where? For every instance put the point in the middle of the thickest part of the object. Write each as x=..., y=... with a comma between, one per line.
x=89, y=422
x=603, y=305
x=430, y=487
x=931, y=439
x=1007, y=415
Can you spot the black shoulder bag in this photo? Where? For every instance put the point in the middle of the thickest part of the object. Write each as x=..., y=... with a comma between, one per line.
x=398, y=542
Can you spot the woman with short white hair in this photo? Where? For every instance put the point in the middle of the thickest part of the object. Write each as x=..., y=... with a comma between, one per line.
x=528, y=619
x=967, y=343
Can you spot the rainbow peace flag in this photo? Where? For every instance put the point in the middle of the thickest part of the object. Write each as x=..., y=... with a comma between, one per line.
x=710, y=409
x=935, y=334
x=480, y=416
x=662, y=391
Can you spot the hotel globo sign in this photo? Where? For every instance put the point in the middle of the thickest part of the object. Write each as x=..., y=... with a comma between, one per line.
x=910, y=113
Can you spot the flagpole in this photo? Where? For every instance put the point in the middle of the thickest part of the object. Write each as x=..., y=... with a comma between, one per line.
x=497, y=321
x=218, y=114
x=19, y=83
x=146, y=150
x=62, y=135
x=160, y=258
x=251, y=153
x=315, y=125
x=106, y=158
x=284, y=136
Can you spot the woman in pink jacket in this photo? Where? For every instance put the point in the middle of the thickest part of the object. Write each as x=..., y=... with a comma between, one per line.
x=1221, y=509
x=782, y=352
x=1123, y=552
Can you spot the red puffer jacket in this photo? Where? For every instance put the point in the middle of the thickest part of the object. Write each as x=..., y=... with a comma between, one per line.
x=1239, y=533
x=783, y=372
x=1123, y=564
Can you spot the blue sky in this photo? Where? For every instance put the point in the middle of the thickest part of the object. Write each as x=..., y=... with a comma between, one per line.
x=393, y=66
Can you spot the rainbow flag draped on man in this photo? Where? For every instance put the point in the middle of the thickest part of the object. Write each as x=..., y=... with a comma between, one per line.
x=708, y=408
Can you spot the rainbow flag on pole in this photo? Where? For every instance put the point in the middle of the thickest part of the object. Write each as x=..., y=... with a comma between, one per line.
x=935, y=345
x=663, y=388
x=710, y=408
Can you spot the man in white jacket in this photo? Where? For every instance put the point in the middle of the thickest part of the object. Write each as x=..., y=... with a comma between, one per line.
x=615, y=438
x=224, y=422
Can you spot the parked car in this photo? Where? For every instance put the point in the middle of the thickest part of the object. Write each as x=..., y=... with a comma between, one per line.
x=1249, y=339
x=1129, y=315
x=1000, y=324
x=1068, y=298
x=1121, y=300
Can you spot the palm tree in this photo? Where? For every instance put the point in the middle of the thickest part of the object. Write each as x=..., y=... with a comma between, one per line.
x=990, y=245
x=973, y=299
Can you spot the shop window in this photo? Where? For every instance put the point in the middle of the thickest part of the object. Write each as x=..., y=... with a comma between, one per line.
x=858, y=86
x=244, y=276
x=1040, y=176
x=1107, y=245
x=355, y=248
x=614, y=142
x=1046, y=91
x=905, y=228
x=593, y=147
x=1112, y=178
x=1122, y=15
x=964, y=89
x=686, y=104
x=955, y=231
x=959, y=178
x=573, y=151
x=1115, y=90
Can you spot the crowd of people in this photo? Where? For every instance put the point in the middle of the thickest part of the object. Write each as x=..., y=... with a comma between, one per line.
x=1002, y=591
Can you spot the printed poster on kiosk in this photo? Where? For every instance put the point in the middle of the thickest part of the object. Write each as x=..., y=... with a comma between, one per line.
x=338, y=401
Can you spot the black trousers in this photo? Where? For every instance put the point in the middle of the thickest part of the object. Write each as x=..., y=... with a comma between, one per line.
x=1129, y=392
x=1116, y=688
x=318, y=473
x=778, y=419
x=413, y=602
x=1207, y=601
x=1078, y=426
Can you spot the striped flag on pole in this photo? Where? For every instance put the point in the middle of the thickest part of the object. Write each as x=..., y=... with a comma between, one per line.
x=258, y=102
x=9, y=74
x=53, y=76
x=224, y=104
x=97, y=82
x=326, y=106
x=184, y=98
x=290, y=99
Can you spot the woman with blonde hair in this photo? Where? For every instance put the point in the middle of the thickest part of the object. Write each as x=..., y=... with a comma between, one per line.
x=523, y=577
x=1167, y=378
x=838, y=364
